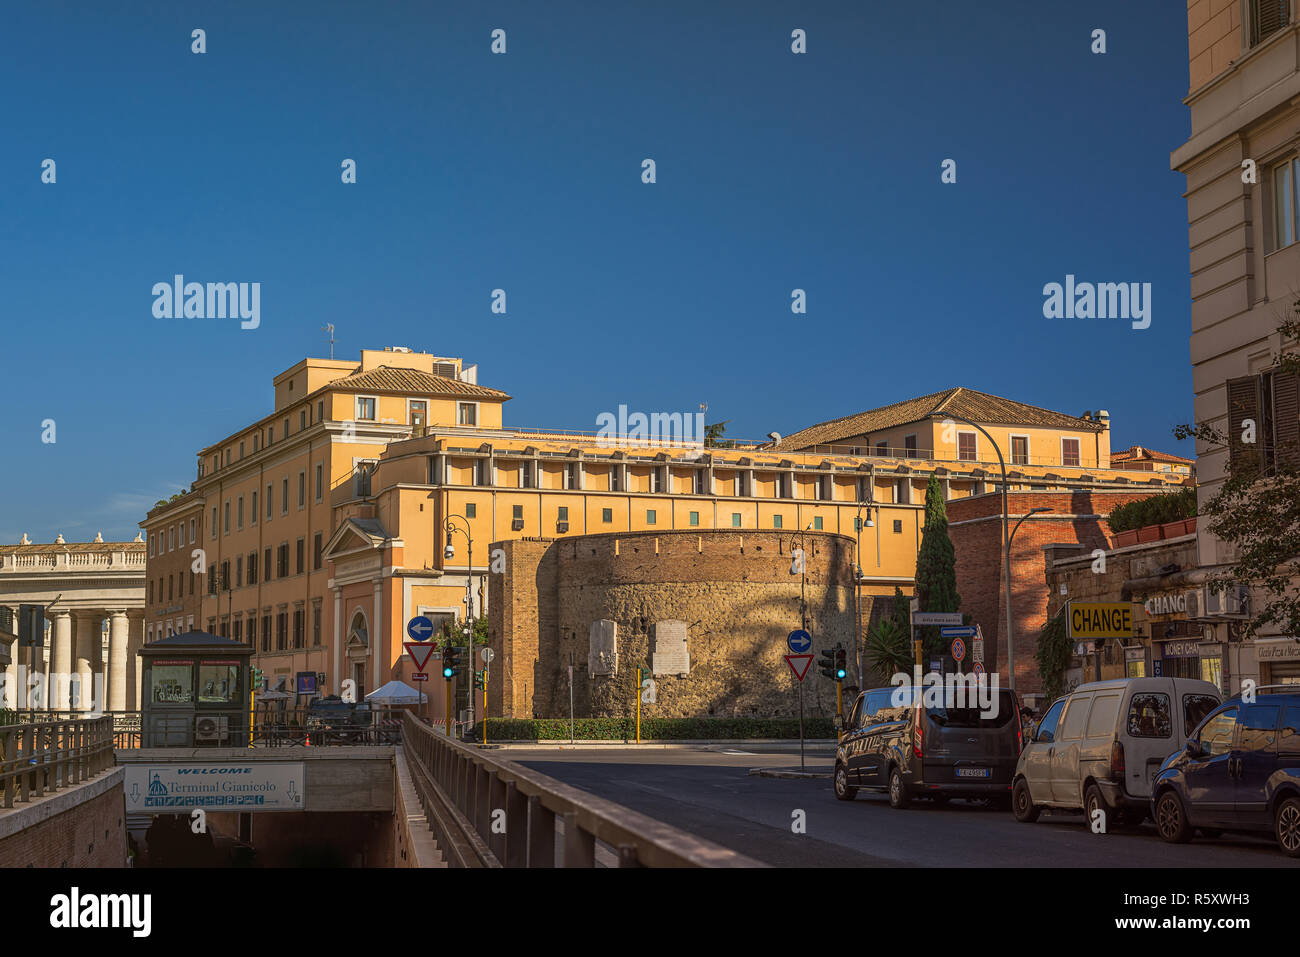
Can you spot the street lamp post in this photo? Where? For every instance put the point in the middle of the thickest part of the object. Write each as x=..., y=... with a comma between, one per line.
x=857, y=582
x=1006, y=546
x=450, y=525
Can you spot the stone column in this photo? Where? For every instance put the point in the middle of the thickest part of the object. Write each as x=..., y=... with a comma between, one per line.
x=118, y=637
x=135, y=641
x=11, y=698
x=60, y=661
x=89, y=656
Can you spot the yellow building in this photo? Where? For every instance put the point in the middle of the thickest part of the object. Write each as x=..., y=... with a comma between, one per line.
x=328, y=517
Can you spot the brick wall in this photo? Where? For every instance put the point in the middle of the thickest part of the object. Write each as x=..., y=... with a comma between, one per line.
x=81, y=826
x=975, y=526
x=734, y=591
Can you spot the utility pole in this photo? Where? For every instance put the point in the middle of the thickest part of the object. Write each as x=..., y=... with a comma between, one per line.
x=329, y=327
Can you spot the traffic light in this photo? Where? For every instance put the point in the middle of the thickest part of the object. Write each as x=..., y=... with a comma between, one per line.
x=827, y=663
x=480, y=680
x=31, y=626
x=257, y=677
x=841, y=663
x=449, y=662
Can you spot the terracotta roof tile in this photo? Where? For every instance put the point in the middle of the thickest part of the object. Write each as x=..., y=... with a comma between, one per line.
x=979, y=406
x=393, y=379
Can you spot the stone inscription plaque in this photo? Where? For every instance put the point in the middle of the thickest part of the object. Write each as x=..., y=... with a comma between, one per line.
x=670, y=655
x=602, y=649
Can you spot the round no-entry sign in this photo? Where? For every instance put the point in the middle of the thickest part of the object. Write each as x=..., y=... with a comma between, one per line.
x=958, y=649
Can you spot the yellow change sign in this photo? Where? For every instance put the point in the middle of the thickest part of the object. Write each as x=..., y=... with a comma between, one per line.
x=1101, y=620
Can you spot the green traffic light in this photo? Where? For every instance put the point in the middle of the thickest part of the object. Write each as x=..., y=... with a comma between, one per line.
x=840, y=674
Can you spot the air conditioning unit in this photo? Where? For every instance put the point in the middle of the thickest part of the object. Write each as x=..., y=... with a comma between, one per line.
x=212, y=728
x=1231, y=603
x=1194, y=604
x=517, y=524
x=561, y=526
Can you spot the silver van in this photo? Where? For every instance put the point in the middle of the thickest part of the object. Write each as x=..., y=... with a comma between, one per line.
x=1099, y=747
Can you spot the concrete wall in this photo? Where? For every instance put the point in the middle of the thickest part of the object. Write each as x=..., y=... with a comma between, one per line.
x=734, y=590
x=80, y=826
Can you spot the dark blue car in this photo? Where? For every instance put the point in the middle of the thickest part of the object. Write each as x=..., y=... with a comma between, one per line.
x=1240, y=771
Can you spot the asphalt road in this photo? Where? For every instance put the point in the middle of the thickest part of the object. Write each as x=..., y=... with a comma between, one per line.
x=709, y=792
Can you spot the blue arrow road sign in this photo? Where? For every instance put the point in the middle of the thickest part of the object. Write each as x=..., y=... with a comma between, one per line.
x=958, y=631
x=420, y=627
x=799, y=642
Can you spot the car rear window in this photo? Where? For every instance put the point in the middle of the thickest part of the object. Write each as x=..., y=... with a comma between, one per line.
x=1101, y=720
x=1148, y=716
x=1195, y=708
x=1258, y=727
x=1288, y=736
x=1002, y=713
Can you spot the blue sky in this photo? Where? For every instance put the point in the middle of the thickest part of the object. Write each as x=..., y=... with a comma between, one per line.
x=522, y=172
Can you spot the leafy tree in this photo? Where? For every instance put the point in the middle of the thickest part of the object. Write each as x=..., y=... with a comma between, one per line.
x=936, y=566
x=899, y=613
x=887, y=649
x=1155, y=510
x=1257, y=511
x=713, y=436
x=1053, y=655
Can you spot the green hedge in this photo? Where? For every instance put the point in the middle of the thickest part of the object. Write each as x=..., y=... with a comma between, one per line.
x=654, y=729
x=1156, y=510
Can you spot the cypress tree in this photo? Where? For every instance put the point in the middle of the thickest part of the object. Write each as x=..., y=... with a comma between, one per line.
x=936, y=567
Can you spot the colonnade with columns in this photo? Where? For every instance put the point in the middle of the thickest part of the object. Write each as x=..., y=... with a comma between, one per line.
x=71, y=671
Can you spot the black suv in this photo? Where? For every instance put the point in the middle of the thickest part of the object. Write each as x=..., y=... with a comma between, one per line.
x=914, y=750
x=1240, y=771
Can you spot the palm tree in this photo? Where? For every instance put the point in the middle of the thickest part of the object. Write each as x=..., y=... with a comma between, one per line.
x=887, y=650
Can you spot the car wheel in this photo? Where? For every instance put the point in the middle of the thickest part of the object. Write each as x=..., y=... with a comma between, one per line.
x=1021, y=803
x=1287, y=828
x=899, y=796
x=842, y=789
x=1171, y=819
x=1094, y=802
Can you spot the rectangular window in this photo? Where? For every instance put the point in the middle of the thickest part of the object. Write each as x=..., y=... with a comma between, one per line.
x=226, y=525
x=315, y=626
x=298, y=628
x=239, y=512
x=302, y=420
x=365, y=408
x=239, y=573
x=563, y=514
x=735, y=520
x=694, y=518
x=966, y=446
x=320, y=410
x=777, y=521
x=1070, y=452
x=320, y=481
x=266, y=633
x=650, y=516
x=1267, y=17
x=257, y=441
x=817, y=522
x=281, y=631
x=317, y=547
x=284, y=495
x=302, y=489
x=466, y=413
x=193, y=537
x=471, y=510
x=282, y=560
x=909, y=446
x=517, y=512
x=1284, y=214
x=300, y=556
x=1019, y=450
x=252, y=568
x=607, y=515
x=882, y=448
x=417, y=413
x=266, y=565
x=269, y=498
x=252, y=512
x=241, y=450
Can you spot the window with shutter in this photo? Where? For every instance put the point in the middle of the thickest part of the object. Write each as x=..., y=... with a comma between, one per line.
x=1267, y=17
x=1286, y=419
x=1245, y=401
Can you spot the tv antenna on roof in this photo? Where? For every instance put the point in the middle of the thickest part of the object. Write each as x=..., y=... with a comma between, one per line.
x=329, y=327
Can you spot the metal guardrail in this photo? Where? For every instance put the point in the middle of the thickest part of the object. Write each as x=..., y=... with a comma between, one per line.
x=466, y=790
x=42, y=756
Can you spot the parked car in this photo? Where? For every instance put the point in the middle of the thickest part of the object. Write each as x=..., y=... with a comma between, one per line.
x=333, y=712
x=1100, y=746
x=931, y=752
x=1239, y=771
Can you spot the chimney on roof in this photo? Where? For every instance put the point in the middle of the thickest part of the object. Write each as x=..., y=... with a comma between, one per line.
x=1103, y=417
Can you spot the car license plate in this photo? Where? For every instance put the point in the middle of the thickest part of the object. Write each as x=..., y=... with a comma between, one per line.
x=972, y=772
